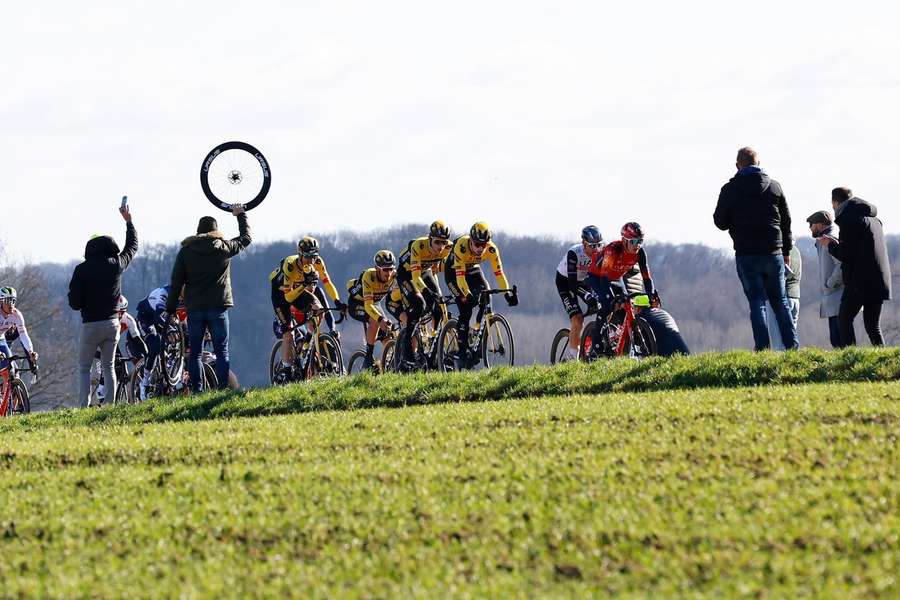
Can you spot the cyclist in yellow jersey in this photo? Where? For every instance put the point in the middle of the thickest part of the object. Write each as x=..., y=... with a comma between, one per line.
x=365, y=292
x=293, y=286
x=424, y=257
x=464, y=277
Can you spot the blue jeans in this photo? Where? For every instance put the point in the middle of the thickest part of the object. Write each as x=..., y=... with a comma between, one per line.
x=762, y=277
x=216, y=320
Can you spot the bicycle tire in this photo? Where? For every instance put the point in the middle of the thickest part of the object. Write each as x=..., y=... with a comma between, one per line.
x=448, y=345
x=354, y=365
x=121, y=392
x=556, y=351
x=274, y=360
x=134, y=383
x=502, y=355
x=171, y=355
x=210, y=381
x=643, y=340
x=235, y=145
x=19, y=400
x=389, y=357
x=328, y=362
x=591, y=347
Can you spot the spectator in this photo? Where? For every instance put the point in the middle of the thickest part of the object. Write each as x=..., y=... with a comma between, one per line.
x=831, y=284
x=864, y=265
x=94, y=290
x=753, y=210
x=792, y=275
x=203, y=269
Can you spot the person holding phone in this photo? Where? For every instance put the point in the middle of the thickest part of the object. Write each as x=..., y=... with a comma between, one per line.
x=865, y=265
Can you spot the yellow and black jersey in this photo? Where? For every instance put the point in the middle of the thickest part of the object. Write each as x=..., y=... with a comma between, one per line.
x=462, y=260
x=369, y=290
x=290, y=275
x=418, y=258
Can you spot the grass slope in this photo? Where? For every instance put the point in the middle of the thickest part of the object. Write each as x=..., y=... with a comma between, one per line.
x=730, y=369
x=783, y=491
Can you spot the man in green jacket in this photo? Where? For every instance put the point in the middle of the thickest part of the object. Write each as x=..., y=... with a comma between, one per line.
x=203, y=269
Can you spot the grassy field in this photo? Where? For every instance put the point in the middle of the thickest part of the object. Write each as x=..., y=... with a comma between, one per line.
x=782, y=490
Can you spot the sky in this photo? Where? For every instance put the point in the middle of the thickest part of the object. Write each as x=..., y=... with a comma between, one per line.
x=538, y=118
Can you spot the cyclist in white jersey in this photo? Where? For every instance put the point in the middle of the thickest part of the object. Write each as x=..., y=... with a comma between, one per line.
x=12, y=321
x=570, y=283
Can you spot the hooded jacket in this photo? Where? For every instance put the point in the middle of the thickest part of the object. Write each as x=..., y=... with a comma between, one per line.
x=96, y=283
x=203, y=269
x=831, y=283
x=753, y=210
x=862, y=252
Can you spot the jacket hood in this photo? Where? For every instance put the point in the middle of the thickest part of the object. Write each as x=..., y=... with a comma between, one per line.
x=203, y=243
x=752, y=179
x=856, y=208
x=102, y=246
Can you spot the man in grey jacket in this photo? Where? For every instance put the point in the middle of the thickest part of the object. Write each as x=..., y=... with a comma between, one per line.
x=831, y=283
x=203, y=269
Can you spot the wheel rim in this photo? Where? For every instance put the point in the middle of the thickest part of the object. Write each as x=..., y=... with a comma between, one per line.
x=498, y=344
x=235, y=173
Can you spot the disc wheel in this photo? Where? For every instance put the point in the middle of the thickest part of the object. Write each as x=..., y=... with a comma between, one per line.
x=559, y=346
x=235, y=173
x=498, y=347
x=448, y=347
x=19, y=402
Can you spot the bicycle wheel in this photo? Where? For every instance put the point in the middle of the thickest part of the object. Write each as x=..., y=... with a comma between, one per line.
x=134, y=383
x=643, y=340
x=121, y=392
x=210, y=381
x=328, y=361
x=235, y=173
x=19, y=402
x=498, y=347
x=448, y=347
x=593, y=343
x=171, y=355
x=559, y=346
x=275, y=361
x=354, y=365
x=390, y=357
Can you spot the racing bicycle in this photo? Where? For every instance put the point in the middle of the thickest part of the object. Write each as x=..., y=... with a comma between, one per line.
x=491, y=341
x=622, y=333
x=315, y=353
x=14, y=398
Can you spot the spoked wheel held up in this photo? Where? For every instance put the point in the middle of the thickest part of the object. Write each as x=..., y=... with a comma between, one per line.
x=235, y=173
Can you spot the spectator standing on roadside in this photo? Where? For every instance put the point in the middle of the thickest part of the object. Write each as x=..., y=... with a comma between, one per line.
x=94, y=290
x=864, y=264
x=792, y=275
x=753, y=210
x=203, y=269
x=831, y=283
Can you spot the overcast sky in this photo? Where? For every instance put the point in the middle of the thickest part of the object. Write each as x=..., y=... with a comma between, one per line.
x=536, y=117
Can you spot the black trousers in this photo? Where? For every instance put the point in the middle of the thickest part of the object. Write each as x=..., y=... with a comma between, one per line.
x=850, y=307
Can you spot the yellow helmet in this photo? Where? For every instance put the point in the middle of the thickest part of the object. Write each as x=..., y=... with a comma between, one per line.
x=385, y=259
x=480, y=232
x=439, y=231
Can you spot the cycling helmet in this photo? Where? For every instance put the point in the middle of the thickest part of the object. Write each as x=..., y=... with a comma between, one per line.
x=439, y=231
x=385, y=259
x=308, y=247
x=8, y=294
x=591, y=235
x=632, y=230
x=480, y=232
x=121, y=304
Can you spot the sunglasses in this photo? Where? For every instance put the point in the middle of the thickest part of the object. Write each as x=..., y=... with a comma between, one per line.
x=635, y=241
x=386, y=269
x=9, y=300
x=593, y=246
x=441, y=242
x=481, y=245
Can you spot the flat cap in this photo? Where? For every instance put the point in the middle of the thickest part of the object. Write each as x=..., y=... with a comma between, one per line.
x=821, y=216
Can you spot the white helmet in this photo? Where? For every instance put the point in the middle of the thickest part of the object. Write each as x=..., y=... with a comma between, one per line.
x=121, y=304
x=8, y=294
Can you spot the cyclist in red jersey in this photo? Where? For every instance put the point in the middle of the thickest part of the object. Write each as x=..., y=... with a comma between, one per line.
x=617, y=259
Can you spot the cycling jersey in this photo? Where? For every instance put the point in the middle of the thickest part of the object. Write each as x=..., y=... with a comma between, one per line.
x=157, y=299
x=418, y=258
x=128, y=325
x=368, y=290
x=462, y=260
x=614, y=262
x=289, y=275
x=15, y=320
x=575, y=264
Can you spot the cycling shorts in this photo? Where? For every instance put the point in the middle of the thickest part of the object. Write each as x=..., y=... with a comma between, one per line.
x=282, y=307
x=568, y=297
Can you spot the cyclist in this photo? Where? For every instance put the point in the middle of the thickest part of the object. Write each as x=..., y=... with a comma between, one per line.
x=151, y=318
x=365, y=292
x=465, y=279
x=570, y=283
x=616, y=259
x=308, y=250
x=423, y=258
x=12, y=322
x=294, y=285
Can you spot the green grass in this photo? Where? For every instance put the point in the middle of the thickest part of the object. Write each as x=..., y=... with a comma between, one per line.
x=781, y=491
x=729, y=369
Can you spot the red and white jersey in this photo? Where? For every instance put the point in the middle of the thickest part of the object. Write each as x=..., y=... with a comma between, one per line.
x=128, y=324
x=15, y=320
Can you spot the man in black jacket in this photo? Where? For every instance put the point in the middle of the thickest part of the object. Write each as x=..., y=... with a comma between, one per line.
x=94, y=290
x=864, y=265
x=203, y=269
x=753, y=210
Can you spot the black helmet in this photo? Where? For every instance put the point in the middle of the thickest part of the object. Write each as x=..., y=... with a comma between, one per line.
x=480, y=232
x=385, y=259
x=591, y=235
x=439, y=231
x=308, y=247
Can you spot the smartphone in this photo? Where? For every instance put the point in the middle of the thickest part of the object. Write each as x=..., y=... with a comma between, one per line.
x=124, y=203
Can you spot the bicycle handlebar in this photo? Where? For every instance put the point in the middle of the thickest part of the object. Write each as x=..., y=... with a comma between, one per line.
x=32, y=366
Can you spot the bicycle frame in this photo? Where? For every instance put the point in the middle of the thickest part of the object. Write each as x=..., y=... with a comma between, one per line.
x=484, y=310
x=13, y=375
x=303, y=359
